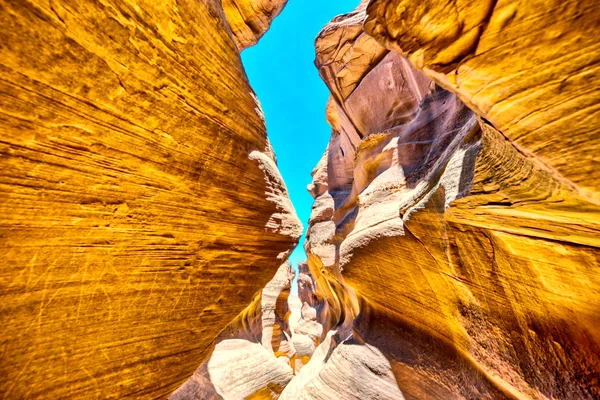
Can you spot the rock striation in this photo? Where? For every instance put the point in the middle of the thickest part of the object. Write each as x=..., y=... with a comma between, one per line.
x=264, y=350
x=250, y=19
x=141, y=208
x=252, y=355
x=528, y=69
x=454, y=234
x=453, y=245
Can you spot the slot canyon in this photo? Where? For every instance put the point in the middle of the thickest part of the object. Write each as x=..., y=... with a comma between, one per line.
x=453, y=245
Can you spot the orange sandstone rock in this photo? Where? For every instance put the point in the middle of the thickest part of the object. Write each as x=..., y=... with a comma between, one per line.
x=530, y=69
x=471, y=250
x=141, y=208
x=250, y=19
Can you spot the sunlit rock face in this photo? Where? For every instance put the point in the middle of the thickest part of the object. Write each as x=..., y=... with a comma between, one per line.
x=141, y=208
x=458, y=242
x=250, y=19
x=266, y=346
x=528, y=68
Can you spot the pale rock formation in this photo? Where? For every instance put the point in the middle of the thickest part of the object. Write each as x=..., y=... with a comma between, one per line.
x=306, y=321
x=275, y=310
x=312, y=306
x=237, y=369
x=240, y=369
x=303, y=346
x=260, y=351
x=134, y=222
x=340, y=371
x=251, y=357
x=284, y=221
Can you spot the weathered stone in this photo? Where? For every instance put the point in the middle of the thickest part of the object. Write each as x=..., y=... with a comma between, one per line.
x=452, y=246
x=140, y=206
x=349, y=370
x=251, y=357
x=527, y=68
x=250, y=19
x=471, y=254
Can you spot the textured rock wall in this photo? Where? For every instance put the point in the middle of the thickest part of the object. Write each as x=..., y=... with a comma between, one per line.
x=252, y=355
x=529, y=68
x=141, y=208
x=264, y=350
x=459, y=242
x=453, y=242
x=250, y=19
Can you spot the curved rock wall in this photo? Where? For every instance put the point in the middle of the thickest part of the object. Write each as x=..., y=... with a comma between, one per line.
x=453, y=243
x=467, y=235
x=252, y=355
x=140, y=208
x=527, y=68
x=250, y=19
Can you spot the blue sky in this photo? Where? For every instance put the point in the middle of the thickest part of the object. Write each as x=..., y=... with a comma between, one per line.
x=281, y=70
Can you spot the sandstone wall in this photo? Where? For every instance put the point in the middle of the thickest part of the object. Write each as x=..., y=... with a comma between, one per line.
x=452, y=249
x=529, y=68
x=252, y=355
x=455, y=216
x=140, y=204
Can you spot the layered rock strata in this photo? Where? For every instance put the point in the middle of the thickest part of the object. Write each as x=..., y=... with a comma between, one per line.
x=266, y=347
x=141, y=207
x=453, y=243
x=530, y=69
x=250, y=19
x=450, y=240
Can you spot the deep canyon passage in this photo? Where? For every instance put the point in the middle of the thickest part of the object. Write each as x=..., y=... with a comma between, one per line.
x=451, y=236
x=281, y=71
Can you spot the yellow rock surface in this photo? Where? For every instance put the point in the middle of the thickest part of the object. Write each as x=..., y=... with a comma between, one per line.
x=140, y=205
x=453, y=246
x=529, y=68
x=250, y=19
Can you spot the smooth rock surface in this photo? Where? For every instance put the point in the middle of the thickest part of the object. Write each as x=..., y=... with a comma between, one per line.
x=453, y=246
x=253, y=355
x=326, y=375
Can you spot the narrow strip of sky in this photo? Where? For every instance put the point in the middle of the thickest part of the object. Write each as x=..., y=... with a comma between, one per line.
x=293, y=97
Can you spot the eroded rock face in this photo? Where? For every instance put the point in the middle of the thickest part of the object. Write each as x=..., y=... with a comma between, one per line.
x=348, y=370
x=450, y=238
x=527, y=68
x=250, y=19
x=453, y=242
x=141, y=208
x=266, y=347
x=309, y=311
x=252, y=355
